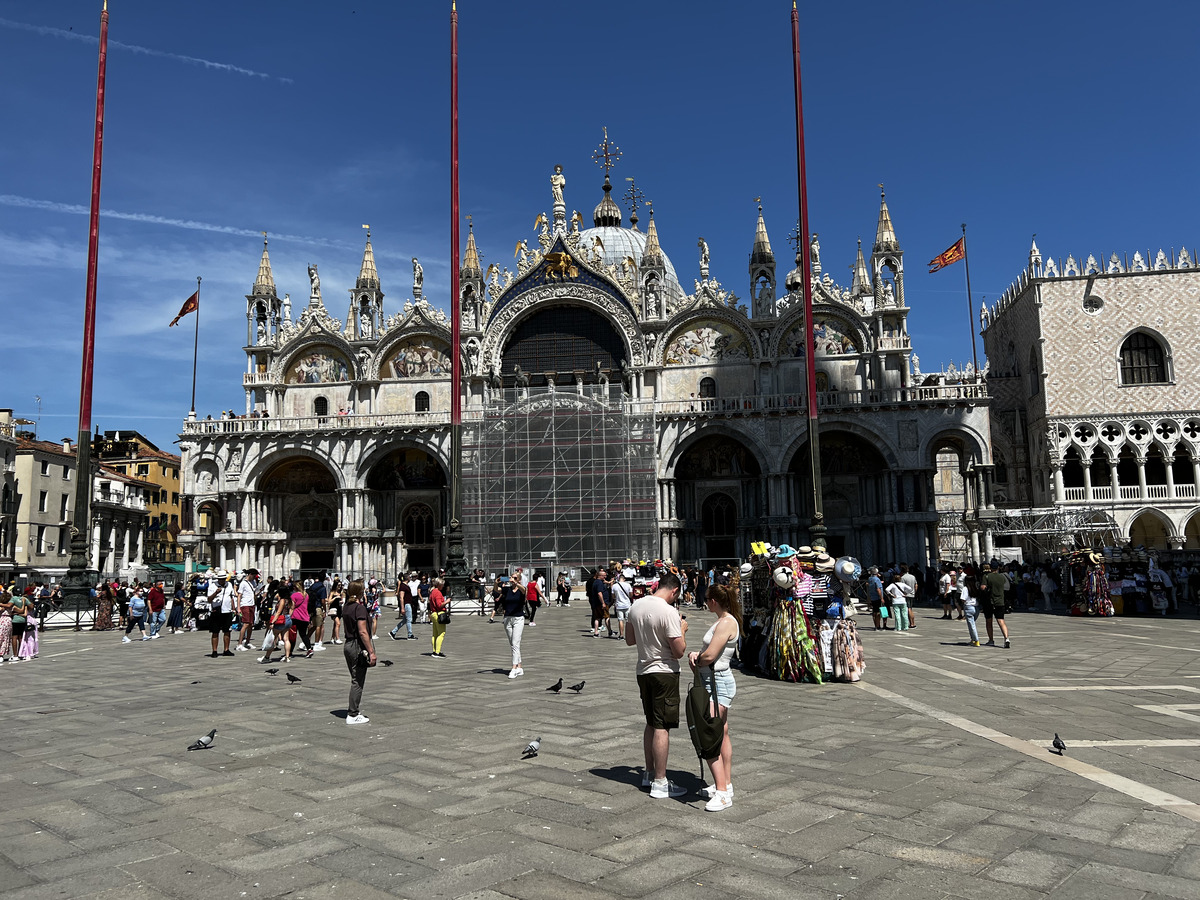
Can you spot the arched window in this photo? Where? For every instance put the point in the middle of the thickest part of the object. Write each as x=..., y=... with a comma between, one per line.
x=418, y=524
x=708, y=388
x=1035, y=375
x=422, y=401
x=321, y=407
x=1143, y=360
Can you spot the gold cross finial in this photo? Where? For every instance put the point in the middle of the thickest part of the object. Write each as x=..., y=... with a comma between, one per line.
x=606, y=154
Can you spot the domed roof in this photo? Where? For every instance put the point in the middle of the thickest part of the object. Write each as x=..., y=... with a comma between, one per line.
x=620, y=243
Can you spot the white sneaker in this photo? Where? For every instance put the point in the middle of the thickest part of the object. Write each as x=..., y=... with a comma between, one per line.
x=709, y=789
x=126, y=640
x=533, y=624
x=720, y=801
x=146, y=637
x=318, y=646
x=155, y=637
x=661, y=790
x=338, y=641
x=241, y=648
x=357, y=720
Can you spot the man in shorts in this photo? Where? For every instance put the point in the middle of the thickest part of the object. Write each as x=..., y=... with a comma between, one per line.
x=992, y=589
x=622, y=599
x=875, y=597
x=658, y=631
x=220, y=619
x=246, y=610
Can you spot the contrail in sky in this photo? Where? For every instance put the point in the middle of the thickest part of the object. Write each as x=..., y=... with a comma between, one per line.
x=47, y=31
x=76, y=209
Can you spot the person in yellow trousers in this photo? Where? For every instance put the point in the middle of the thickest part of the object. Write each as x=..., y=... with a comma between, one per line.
x=439, y=614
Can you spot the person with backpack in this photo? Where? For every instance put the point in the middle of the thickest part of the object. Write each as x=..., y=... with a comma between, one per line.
x=712, y=664
x=622, y=599
x=280, y=623
x=359, y=649
x=135, y=616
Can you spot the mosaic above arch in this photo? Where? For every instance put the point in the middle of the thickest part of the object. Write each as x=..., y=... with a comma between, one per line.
x=708, y=341
x=831, y=337
x=319, y=365
x=419, y=357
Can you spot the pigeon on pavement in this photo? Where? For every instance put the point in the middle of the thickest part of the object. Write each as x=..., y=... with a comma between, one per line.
x=1058, y=744
x=386, y=662
x=292, y=678
x=205, y=742
x=556, y=687
x=532, y=750
x=272, y=671
x=578, y=687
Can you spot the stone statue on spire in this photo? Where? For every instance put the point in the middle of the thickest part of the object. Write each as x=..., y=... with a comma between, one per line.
x=703, y=245
x=314, y=281
x=557, y=182
x=418, y=279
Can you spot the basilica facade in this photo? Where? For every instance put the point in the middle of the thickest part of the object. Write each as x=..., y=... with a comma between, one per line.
x=611, y=407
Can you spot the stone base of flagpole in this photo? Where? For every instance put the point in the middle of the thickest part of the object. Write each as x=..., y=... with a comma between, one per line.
x=817, y=533
x=77, y=584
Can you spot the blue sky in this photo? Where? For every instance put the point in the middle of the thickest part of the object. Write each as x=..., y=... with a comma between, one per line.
x=1072, y=120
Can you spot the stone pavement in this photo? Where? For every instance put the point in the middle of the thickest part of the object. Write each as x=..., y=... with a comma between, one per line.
x=931, y=779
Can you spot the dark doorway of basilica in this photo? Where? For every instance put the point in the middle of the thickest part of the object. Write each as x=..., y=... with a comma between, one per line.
x=720, y=499
x=855, y=493
x=408, y=494
x=299, y=496
x=314, y=562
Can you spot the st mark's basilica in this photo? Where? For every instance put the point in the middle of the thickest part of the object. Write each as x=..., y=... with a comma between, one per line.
x=611, y=407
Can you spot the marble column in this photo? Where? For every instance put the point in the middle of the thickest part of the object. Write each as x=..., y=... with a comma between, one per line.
x=1056, y=474
x=1141, y=470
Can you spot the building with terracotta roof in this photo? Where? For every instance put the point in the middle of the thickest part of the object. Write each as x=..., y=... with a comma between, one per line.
x=131, y=453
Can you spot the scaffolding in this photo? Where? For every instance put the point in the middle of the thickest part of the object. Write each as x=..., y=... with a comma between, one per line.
x=1048, y=530
x=562, y=479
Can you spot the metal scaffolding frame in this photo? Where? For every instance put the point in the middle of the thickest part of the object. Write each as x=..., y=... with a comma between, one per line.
x=559, y=478
x=1048, y=529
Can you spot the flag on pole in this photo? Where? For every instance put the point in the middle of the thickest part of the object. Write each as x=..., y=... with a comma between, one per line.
x=191, y=304
x=951, y=256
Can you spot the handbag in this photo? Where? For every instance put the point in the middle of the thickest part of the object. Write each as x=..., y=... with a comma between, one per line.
x=443, y=616
x=883, y=612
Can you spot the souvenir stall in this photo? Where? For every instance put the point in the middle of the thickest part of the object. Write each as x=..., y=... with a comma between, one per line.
x=799, y=628
x=1086, y=587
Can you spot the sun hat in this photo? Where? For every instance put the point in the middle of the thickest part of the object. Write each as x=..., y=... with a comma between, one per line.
x=784, y=552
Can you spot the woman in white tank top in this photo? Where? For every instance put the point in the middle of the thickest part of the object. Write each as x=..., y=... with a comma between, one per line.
x=718, y=647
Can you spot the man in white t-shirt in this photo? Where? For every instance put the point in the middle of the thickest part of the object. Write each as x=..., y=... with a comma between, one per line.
x=658, y=631
x=622, y=600
x=945, y=588
x=220, y=619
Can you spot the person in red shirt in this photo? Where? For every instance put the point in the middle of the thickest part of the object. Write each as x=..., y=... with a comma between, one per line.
x=437, y=608
x=533, y=599
x=157, y=601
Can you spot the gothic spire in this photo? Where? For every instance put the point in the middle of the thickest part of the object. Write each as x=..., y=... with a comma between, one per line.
x=862, y=280
x=470, y=266
x=264, y=284
x=762, y=253
x=368, y=276
x=885, y=234
x=652, y=255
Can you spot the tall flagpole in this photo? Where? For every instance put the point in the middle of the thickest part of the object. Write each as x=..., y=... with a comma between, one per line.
x=195, y=349
x=456, y=568
x=77, y=582
x=970, y=302
x=816, y=530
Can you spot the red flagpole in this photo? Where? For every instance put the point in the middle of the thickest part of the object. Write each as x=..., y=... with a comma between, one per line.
x=76, y=582
x=89, y=315
x=455, y=317
x=817, y=529
x=456, y=568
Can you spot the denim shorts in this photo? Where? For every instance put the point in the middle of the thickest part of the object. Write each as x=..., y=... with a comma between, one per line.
x=726, y=686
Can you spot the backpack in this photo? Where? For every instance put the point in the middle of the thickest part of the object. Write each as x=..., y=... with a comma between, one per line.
x=706, y=729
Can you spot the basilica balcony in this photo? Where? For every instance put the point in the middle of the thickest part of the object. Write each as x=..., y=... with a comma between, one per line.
x=1129, y=493
x=246, y=425
x=782, y=404
x=256, y=378
x=894, y=342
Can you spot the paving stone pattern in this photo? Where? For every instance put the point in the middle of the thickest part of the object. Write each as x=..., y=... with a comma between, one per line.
x=839, y=792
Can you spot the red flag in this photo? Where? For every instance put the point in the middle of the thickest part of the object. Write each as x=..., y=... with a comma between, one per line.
x=191, y=304
x=953, y=255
